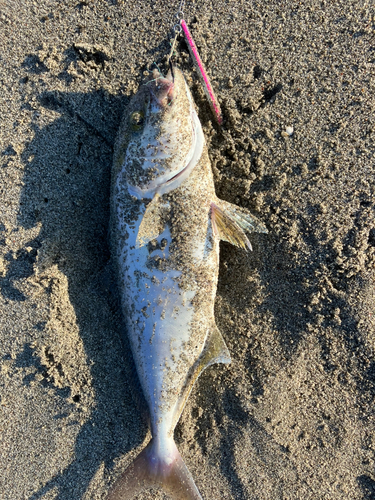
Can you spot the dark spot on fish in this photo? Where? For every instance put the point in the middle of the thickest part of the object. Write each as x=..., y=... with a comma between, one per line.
x=152, y=245
x=155, y=280
x=144, y=312
x=156, y=262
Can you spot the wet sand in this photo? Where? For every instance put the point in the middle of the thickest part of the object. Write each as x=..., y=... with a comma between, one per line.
x=293, y=416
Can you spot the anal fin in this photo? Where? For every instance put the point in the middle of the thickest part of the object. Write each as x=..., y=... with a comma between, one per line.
x=214, y=351
x=230, y=223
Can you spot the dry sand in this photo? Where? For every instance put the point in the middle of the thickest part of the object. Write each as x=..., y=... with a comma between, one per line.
x=293, y=416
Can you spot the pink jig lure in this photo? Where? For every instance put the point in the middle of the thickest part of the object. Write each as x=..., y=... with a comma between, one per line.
x=202, y=73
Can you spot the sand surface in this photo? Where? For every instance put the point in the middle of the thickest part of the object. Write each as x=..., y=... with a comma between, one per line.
x=293, y=416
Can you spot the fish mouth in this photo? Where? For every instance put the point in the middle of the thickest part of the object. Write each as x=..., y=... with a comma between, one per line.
x=161, y=88
x=165, y=183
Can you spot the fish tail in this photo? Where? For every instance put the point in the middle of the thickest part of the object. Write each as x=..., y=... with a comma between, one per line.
x=156, y=466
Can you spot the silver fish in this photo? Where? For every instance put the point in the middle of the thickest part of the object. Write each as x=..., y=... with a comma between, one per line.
x=166, y=225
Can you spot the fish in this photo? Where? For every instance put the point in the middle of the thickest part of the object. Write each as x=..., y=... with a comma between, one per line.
x=166, y=224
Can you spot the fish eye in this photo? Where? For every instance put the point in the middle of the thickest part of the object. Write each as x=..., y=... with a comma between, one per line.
x=137, y=120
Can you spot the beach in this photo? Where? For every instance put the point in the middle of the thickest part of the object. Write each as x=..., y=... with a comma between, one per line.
x=292, y=417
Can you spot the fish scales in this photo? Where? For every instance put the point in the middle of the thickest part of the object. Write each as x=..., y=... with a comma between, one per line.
x=166, y=225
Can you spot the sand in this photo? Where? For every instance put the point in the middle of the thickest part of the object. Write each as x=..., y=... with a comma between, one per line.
x=293, y=416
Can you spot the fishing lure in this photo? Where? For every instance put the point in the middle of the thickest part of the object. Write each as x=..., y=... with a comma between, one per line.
x=194, y=54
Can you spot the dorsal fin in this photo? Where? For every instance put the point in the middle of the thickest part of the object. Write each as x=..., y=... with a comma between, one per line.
x=230, y=222
x=153, y=221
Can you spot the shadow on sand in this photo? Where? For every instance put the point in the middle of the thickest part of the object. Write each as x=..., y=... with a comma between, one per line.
x=66, y=190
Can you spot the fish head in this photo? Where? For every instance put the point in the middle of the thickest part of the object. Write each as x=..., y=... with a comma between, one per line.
x=160, y=127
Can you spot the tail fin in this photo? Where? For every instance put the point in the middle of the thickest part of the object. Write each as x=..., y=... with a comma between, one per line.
x=156, y=466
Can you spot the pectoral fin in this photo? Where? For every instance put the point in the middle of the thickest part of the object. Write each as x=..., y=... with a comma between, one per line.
x=230, y=222
x=153, y=221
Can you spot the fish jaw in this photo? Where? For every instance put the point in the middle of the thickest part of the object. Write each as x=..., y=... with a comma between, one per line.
x=161, y=89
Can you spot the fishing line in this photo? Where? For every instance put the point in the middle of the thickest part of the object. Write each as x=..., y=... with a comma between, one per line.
x=177, y=28
x=158, y=77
